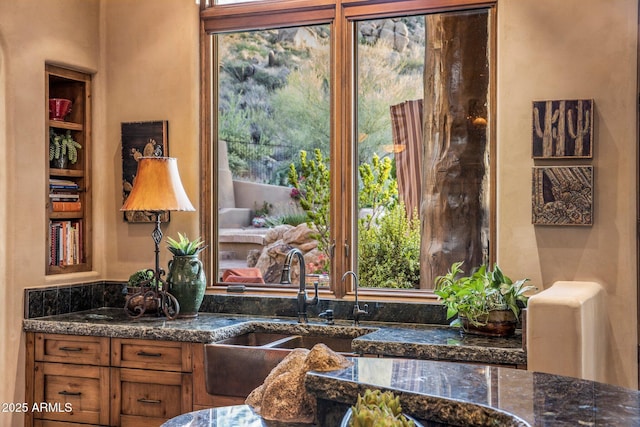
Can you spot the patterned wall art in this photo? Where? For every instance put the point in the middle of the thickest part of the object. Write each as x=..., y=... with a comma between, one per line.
x=563, y=129
x=141, y=139
x=563, y=195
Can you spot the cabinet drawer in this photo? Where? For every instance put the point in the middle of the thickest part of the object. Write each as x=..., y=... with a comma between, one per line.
x=72, y=349
x=74, y=393
x=156, y=355
x=144, y=398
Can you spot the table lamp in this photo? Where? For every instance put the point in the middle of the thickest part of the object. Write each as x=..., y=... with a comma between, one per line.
x=156, y=188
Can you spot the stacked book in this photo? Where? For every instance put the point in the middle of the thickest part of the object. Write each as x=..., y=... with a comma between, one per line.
x=63, y=195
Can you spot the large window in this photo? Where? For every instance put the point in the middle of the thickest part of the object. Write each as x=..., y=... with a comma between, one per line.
x=360, y=136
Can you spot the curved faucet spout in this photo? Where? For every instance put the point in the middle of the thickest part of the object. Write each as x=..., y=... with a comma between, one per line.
x=357, y=312
x=302, y=299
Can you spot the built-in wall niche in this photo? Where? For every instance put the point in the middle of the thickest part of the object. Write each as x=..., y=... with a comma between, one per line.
x=68, y=196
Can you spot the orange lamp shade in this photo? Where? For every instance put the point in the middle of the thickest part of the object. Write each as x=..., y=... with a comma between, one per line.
x=157, y=187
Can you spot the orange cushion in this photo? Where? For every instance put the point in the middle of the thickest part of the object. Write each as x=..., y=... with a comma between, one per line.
x=242, y=275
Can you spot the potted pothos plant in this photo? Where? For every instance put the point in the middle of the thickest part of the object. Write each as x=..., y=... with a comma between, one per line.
x=186, y=279
x=63, y=149
x=487, y=302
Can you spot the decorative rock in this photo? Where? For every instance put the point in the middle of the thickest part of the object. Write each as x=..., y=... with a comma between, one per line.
x=283, y=396
x=252, y=257
x=275, y=233
x=321, y=358
x=299, y=235
x=271, y=260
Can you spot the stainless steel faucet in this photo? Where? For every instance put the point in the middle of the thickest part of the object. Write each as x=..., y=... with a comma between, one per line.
x=303, y=301
x=357, y=312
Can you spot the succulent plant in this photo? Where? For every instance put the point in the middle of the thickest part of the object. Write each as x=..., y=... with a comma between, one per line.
x=63, y=145
x=378, y=409
x=183, y=246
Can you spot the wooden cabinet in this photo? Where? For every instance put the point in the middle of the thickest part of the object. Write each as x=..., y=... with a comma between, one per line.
x=89, y=381
x=68, y=195
x=67, y=380
x=75, y=393
x=148, y=398
x=161, y=386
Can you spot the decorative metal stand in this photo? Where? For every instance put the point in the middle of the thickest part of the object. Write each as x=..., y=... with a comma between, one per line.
x=152, y=295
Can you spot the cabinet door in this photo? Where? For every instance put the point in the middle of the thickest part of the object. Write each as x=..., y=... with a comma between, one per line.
x=75, y=393
x=143, y=398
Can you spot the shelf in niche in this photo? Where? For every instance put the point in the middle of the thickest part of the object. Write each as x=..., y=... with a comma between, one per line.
x=74, y=268
x=65, y=215
x=65, y=125
x=72, y=173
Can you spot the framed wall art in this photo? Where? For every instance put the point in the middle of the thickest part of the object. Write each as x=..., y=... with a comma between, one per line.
x=141, y=139
x=562, y=195
x=562, y=129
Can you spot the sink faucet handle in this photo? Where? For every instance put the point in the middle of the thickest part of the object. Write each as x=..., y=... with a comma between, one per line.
x=328, y=314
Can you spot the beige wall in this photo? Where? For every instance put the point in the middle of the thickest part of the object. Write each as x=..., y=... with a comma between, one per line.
x=146, y=57
x=572, y=49
x=31, y=32
x=152, y=68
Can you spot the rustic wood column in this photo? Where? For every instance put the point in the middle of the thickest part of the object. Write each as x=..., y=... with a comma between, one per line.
x=454, y=207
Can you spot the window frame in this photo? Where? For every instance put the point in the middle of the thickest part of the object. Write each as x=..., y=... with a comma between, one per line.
x=341, y=16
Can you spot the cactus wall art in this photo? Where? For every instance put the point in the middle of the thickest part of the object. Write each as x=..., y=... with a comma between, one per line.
x=562, y=195
x=562, y=129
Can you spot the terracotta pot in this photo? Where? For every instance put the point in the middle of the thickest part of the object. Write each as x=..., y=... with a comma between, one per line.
x=138, y=298
x=59, y=108
x=499, y=323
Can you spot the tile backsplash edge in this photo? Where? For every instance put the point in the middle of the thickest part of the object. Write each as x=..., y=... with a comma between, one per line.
x=64, y=299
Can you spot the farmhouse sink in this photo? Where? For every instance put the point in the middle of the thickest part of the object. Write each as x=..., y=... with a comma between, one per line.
x=237, y=365
x=337, y=344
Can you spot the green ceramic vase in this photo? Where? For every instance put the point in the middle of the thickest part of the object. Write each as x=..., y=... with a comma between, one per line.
x=187, y=283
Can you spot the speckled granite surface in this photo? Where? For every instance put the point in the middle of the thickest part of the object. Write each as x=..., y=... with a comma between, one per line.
x=433, y=342
x=479, y=395
x=440, y=392
x=443, y=393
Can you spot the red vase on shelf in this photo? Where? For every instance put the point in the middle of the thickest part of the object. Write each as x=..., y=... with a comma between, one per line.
x=59, y=108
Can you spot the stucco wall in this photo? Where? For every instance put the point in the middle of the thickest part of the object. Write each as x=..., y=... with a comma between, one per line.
x=146, y=57
x=573, y=49
x=31, y=33
x=152, y=63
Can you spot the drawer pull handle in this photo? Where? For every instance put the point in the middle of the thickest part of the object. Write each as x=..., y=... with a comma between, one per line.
x=154, y=401
x=71, y=348
x=70, y=393
x=145, y=354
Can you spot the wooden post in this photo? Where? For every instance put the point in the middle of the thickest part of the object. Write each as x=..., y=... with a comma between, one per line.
x=454, y=208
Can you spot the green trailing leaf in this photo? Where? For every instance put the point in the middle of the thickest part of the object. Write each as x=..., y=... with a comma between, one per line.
x=183, y=246
x=63, y=145
x=475, y=296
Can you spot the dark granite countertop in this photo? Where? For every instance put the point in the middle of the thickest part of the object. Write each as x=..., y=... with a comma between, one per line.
x=456, y=394
x=389, y=339
x=464, y=394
